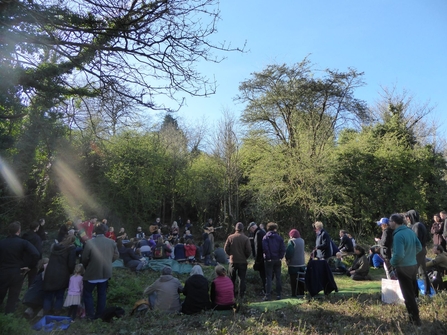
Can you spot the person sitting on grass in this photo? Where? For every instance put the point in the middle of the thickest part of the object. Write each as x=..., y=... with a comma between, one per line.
x=376, y=260
x=164, y=293
x=222, y=290
x=196, y=292
x=130, y=259
x=360, y=268
x=179, y=251
x=219, y=254
x=336, y=264
x=190, y=251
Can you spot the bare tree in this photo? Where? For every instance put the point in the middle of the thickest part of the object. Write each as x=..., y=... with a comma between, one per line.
x=64, y=48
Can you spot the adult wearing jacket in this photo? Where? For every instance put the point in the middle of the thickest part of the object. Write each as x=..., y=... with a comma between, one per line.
x=206, y=249
x=196, y=292
x=16, y=255
x=345, y=243
x=323, y=249
x=98, y=255
x=238, y=248
x=406, y=246
x=258, y=235
x=130, y=259
x=60, y=266
x=386, y=240
x=33, y=237
x=274, y=250
x=360, y=268
x=436, y=230
x=164, y=292
x=295, y=261
x=421, y=232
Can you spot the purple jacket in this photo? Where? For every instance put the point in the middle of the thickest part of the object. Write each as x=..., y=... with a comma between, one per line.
x=273, y=246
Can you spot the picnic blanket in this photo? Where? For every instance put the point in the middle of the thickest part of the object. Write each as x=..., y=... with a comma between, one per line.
x=159, y=264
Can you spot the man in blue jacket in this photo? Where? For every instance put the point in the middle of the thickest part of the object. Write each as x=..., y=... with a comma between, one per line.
x=406, y=246
x=274, y=251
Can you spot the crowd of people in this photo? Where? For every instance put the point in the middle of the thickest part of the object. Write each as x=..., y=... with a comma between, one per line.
x=81, y=258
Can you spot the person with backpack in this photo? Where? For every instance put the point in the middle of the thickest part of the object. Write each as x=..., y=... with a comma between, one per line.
x=160, y=250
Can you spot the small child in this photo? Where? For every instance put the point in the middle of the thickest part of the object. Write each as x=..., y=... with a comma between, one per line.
x=190, y=251
x=75, y=287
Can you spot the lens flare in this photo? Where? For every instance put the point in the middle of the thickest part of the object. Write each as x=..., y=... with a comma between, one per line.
x=11, y=179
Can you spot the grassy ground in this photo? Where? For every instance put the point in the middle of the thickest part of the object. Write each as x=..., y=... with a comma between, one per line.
x=355, y=309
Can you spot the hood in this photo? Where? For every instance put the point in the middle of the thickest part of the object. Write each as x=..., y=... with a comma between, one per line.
x=59, y=249
x=270, y=233
x=165, y=278
x=413, y=215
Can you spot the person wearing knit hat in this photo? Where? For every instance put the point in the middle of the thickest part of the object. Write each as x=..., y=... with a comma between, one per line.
x=295, y=262
x=238, y=248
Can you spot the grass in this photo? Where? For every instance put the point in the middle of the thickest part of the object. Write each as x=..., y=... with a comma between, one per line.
x=355, y=309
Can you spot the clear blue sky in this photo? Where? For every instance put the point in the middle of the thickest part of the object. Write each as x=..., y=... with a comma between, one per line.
x=395, y=43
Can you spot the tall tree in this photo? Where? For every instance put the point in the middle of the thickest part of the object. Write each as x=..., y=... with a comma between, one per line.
x=79, y=48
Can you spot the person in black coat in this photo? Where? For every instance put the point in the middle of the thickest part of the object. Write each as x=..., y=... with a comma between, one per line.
x=41, y=232
x=32, y=237
x=206, y=249
x=258, y=253
x=57, y=274
x=16, y=257
x=196, y=292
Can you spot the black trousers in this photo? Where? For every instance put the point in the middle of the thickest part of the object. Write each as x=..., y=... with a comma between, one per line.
x=238, y=270
x=406, y=275
x=11, y=282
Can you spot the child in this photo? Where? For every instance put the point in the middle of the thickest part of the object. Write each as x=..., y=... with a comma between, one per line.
x=75, y=287
x=190, y=251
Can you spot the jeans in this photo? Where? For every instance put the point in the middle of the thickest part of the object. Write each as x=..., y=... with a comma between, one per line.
x=240, y=270
x=101, y=289
x=406, y=276
x=273, y=267
x=134, y=265
x=53, y=296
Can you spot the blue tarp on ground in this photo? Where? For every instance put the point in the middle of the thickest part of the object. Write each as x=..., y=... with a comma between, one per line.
x=159, y=264
x=50, y=323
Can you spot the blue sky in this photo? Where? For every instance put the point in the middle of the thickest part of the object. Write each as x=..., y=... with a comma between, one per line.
x=395, y=43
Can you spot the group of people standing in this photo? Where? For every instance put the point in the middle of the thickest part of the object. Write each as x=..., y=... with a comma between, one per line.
x=54, y=275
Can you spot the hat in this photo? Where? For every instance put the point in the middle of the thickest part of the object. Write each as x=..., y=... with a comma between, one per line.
x=251, y=225
x=239, y=226
x=166, y=270
x=383, y=221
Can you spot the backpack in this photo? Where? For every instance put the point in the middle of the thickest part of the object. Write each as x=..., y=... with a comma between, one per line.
x=158, y=251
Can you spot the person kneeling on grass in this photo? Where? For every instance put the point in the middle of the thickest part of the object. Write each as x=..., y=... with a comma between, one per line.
x=222, y=290
x=360, y=268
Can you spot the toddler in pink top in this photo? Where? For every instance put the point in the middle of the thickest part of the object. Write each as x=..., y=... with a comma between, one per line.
x=73, y=299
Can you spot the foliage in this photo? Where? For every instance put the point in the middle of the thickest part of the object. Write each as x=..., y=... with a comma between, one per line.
x=78, y=48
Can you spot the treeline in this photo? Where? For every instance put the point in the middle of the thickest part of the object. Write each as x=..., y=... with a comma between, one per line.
x=304, y=149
